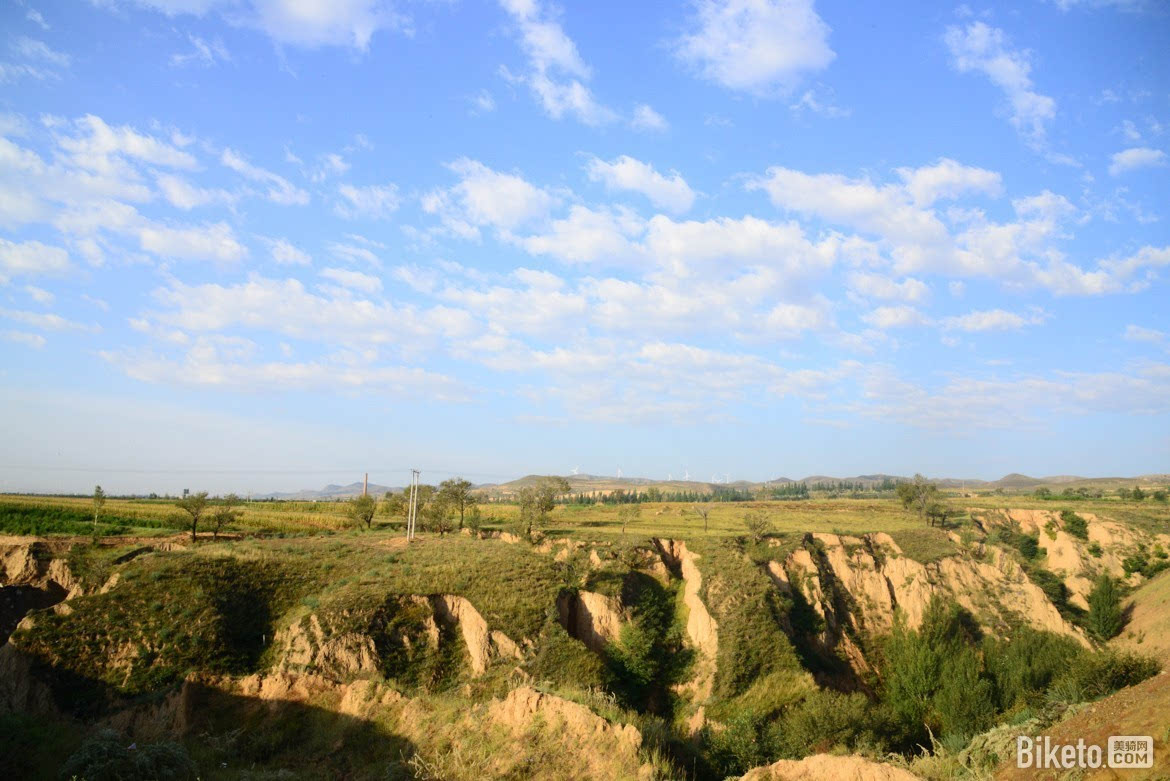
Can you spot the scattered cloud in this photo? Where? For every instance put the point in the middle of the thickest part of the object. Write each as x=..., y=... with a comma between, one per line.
x=203, y=53
x=556, y=72
x=35, y=341
x=31, y=258
x=762, y=47
x=1135, y=158
x=280, y=190
x=646, y=118
x=354, y=280
x=287, y=254
x=375, y=202
x=984, y=49
x=991, y=320
x=625, y=173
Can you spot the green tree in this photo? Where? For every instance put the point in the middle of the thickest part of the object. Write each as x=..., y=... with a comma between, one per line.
x=1160, y=496
x=628, y=513
x=457, y=493
x=436, y=515
x=225, y=514
x=923, y=498
x=538, y=500
x=394, y=504
x=758, y=525
x=474, y=518
x=1105, y=618
x=194, y=505
x=99, y=501
x=1137, y=494
x=360, y=509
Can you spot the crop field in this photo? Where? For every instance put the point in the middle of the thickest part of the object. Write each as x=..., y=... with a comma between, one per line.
x=53, y=515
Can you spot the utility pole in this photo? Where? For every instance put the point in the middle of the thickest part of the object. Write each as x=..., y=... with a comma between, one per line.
x=365, y=483
x=412, y=508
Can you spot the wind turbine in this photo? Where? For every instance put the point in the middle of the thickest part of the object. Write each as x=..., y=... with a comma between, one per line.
x=687, y=475
x=576, y=469
x=619, y=472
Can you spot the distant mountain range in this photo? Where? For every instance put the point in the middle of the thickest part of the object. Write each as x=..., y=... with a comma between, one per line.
x=330, y=492
x=589, y=483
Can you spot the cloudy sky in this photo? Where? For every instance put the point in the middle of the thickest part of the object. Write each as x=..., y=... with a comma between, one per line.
x=267, y=244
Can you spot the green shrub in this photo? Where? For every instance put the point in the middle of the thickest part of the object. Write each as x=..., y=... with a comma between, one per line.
x=107, y=757
x=1094, y=675
x=1075, y=524
x=1105, y=618
x=824, y=722
x=1024, y=664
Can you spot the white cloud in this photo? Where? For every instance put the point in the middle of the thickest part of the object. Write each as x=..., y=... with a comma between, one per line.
x=885, y=317
x=205, y=366
x=280, y=190
x=353, y=254
x=646, y=118
x=287, y=254
x=1134, y=158
x=374, y=202
x=758, y=46
x=981, y=48
x=556, y=70
x=486, y=198
x=203, y=53
x=36, y=18
x=31, y=258
x=286, y=307
x=184, y=195
x=588, y=235
x=36, y=341
x=99, y=147
x=879, y=286
x=991, y=320
x=355, y=280
x=625, y=173
x=948, y=179
x=46, y=321
x=32, y=49
x=815, y=103
x=212, y=241
x=349, y=23
x=1136, y=333
x=40, y=295
x=483, y=102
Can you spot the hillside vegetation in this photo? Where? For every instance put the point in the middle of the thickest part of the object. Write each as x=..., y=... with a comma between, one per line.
x=785, y=630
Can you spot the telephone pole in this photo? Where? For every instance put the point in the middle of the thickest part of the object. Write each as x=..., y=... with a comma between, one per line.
x=412, y=508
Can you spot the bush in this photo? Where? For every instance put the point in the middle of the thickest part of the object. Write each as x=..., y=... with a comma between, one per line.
x=1105, y=619
x=106, y=757
x=1024, y=665
x=757, y=525
x=1094, y=675
x=823, y=722
x=1075, y=524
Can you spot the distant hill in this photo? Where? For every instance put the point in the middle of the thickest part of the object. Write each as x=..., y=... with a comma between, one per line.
x=585, y=483
x=331, y=492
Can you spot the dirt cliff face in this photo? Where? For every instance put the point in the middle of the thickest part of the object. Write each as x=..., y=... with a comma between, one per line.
x=594, y=619
x=822, y=767
x=702, y=631
x=33, y=576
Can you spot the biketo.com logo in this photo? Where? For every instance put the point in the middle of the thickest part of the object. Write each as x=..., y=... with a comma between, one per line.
x=1122, y=751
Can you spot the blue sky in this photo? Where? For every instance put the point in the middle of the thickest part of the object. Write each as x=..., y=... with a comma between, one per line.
x=260, y=245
